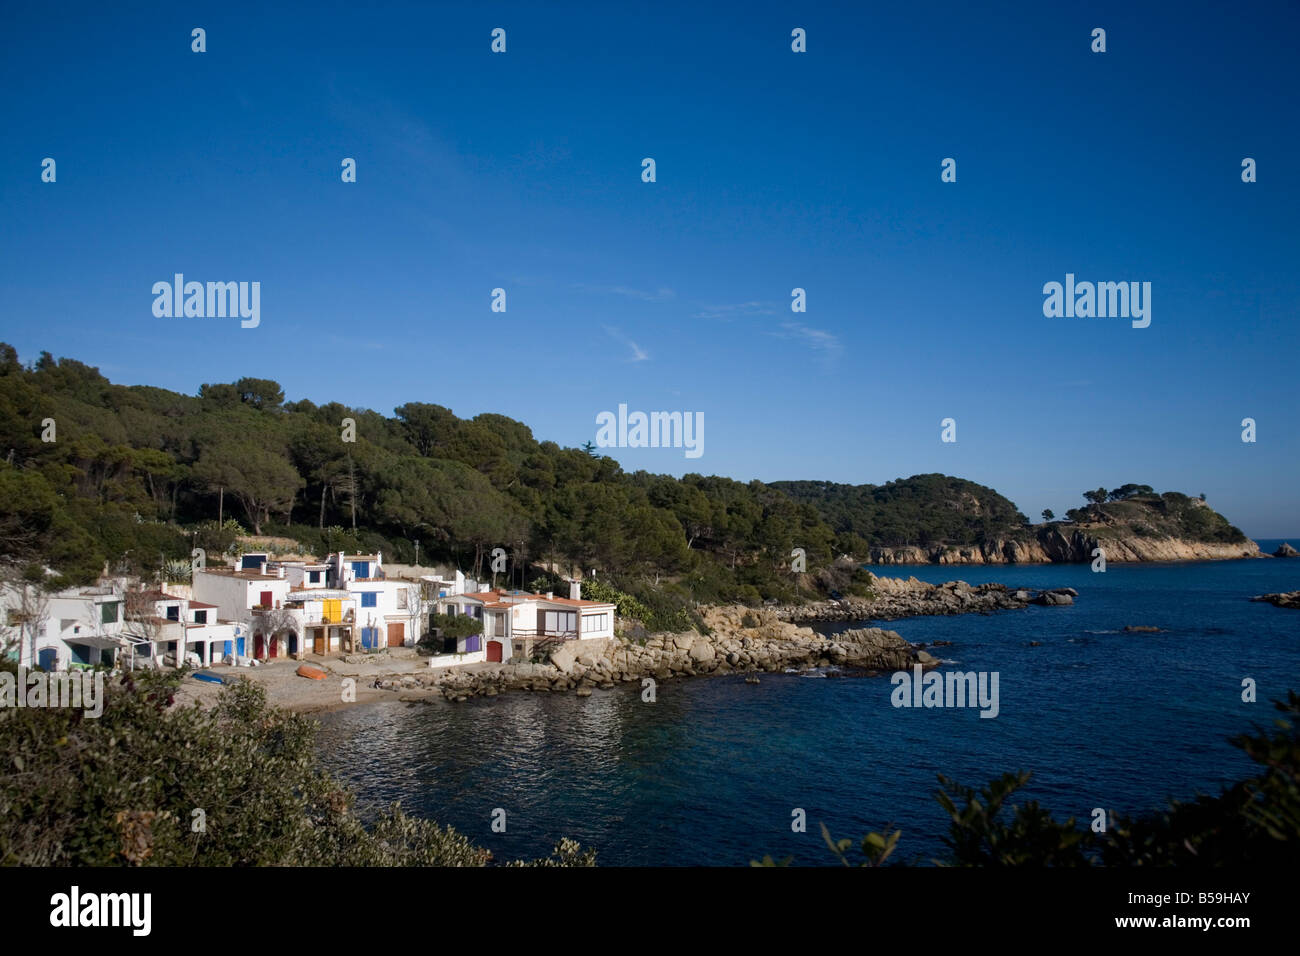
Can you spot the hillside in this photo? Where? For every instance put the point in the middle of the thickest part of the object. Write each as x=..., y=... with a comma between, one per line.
x=132, y=478
x=1127, y=525
x=923, y=511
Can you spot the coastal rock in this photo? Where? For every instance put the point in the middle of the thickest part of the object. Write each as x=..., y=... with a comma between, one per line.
x=1285, y=551
x=1052, y=544
x=1289, y=599
x=1051, y=598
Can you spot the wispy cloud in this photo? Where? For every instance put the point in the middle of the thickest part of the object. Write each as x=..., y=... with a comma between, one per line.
x=638, y=354
x=662, y=294
x=736, y=310
x=819, y=340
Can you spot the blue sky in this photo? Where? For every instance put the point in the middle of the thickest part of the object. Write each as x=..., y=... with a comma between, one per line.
x=775, y=170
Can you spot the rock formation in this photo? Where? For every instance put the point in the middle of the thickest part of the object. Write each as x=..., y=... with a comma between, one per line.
x=1289, y=599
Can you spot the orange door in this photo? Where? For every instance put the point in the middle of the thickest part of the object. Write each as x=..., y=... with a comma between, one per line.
x=318, y=645
x=396, y=634
x=494, y=651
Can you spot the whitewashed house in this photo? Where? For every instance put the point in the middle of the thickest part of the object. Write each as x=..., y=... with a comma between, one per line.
x=165, y=627
x=243, y=595
x=388, y=610
x=324, y=618
x=73, y=628
x=515, y=623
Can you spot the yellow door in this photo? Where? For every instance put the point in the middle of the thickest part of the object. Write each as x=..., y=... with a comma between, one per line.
x=333, y=611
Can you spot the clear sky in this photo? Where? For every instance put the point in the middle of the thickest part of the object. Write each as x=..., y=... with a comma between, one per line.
x=775, y=170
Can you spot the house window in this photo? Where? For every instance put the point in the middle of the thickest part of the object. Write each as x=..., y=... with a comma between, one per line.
x=108, y=612
x=361, y=569
x=369, y=599
x=561, y=622
x=200, y=617
x=401, y=598
x=592, y=623
x=313, y=577
x=173, y=612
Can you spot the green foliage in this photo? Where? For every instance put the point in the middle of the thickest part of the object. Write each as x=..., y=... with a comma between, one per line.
x=140, y=475
x=922, y=510
x=876, y=848
x=449, y=625
x=121, y=789
x=977, y=837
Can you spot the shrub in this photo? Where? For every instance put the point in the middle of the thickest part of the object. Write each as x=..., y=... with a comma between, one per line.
x=449, y=625
x=121, y=789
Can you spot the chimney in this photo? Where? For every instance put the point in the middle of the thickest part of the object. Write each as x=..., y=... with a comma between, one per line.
x=550, y=595
x=575, y=590
x=280, y=571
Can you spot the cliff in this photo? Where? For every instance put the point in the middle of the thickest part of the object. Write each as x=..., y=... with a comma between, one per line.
x=1063, y=543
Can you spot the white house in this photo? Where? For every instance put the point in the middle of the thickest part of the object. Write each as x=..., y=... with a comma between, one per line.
x=74, y=628
x=389, y=611
x=315, y=620
x=160, y=624
x=240, y=593
x=515, y=622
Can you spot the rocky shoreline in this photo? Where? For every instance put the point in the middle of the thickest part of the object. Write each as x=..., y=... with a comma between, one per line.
x=740, y=640
x=770, y=645
x=894, y=598
x=1053, y=546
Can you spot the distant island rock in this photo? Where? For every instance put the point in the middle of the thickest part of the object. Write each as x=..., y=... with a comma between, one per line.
x=1289, y=599
x=1285, y=551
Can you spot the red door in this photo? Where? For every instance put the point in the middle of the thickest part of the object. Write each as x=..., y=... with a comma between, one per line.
x=494, y=651
x=259, y=646
x=275, y=647
x=266, y=599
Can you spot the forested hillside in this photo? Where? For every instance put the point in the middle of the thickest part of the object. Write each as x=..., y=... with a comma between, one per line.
x=136, y=476
x=133, y=477
x=923, y=510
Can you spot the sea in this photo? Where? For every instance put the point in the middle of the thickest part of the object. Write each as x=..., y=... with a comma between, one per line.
x=719, y=772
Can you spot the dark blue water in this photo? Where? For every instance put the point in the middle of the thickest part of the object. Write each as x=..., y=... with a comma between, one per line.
x=710, y=772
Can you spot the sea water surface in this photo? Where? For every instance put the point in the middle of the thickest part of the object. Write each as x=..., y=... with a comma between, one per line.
x=712, y=771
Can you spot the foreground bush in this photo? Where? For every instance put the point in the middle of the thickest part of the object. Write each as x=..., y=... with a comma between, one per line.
x=236, y=784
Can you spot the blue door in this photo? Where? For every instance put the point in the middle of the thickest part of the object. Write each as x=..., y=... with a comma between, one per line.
x=369, y=636
x=47, y=659
x=239, y=647
x=228, y=649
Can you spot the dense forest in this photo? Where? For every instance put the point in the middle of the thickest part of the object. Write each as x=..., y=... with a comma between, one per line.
x=923, y=510
x=133, y=477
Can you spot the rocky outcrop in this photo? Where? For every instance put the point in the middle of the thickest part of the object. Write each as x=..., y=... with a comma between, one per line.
x=1285, y=551
x=908, y=597
x=1289, y=599
x=1052, y=545
x=741, y=640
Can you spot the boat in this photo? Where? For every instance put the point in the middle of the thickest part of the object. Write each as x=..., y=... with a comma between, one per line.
x=208, y=677
x=311, y=672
